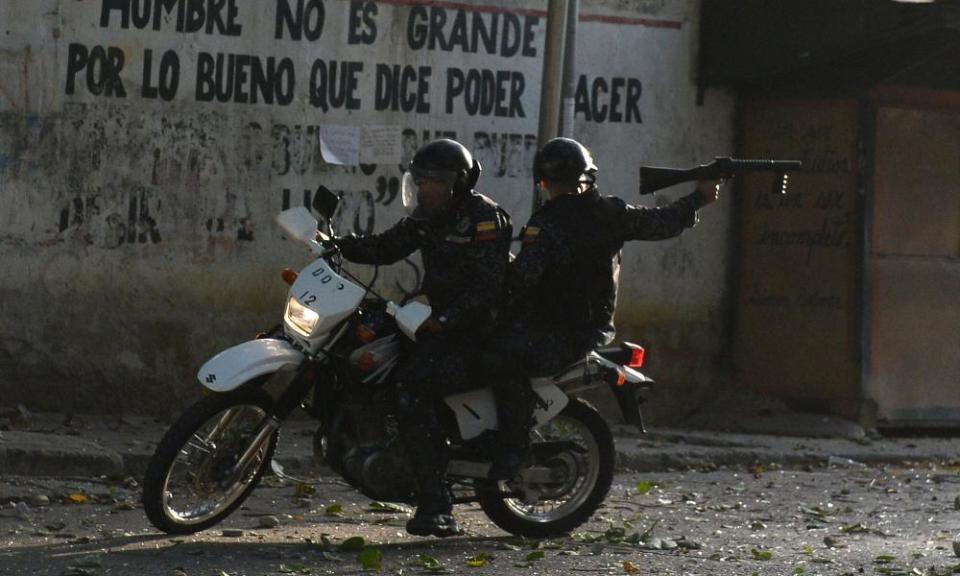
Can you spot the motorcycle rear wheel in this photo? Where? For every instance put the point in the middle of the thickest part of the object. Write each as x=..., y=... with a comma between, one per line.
x=190, y=484
x=584, y=477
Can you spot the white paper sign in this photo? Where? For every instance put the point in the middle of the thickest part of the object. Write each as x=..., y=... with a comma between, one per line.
x=340, y=144
x=380, y=144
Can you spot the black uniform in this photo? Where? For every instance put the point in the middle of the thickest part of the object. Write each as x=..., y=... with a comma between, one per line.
x=465, y=256
x=563, y=289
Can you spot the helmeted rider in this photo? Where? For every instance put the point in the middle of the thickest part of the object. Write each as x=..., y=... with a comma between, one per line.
x=464, y=240
x=563, y=284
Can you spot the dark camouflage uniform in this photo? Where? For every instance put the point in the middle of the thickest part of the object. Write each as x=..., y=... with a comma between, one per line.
x=563, y=285
x=465, y=256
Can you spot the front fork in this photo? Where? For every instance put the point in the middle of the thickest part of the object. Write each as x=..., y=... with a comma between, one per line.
x=288, y=401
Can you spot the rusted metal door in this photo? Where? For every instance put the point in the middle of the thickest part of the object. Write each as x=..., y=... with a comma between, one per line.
x=913, y=261
x=797, y=323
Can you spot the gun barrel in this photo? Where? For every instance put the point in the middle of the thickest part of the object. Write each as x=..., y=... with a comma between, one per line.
x=765, y=165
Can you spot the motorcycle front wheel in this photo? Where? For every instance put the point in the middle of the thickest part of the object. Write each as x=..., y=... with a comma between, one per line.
x=192, y=481
x=581, y=476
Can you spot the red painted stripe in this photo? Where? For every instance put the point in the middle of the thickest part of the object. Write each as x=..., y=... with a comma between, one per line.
x=624, y=20
x=464, y=6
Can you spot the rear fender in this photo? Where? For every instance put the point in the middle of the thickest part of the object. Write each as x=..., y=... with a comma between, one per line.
x=238, y=365
x=596, y=369
x=476, y=410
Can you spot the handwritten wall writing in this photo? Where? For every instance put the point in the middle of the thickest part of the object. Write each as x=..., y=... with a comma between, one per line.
x=798, y=254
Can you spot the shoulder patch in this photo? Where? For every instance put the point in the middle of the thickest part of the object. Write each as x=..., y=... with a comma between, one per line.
x=488, y=230
x=531, y=234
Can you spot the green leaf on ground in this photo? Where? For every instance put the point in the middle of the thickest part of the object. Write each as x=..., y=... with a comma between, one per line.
x=761, y=554
x=431, y=564
x=300, y=490
x=644, y=487
x=884, y=559
x=857, y=528
x=615, y=534
x=370, y=559
x=352, y=544
x=530, y=559
x=479, y=561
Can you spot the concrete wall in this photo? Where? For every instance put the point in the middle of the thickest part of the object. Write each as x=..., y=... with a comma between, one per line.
x=914, y=267
x=143, y=157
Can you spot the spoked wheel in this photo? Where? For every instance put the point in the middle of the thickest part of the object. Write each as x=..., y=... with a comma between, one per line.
x=580, y=477
x=193, y=480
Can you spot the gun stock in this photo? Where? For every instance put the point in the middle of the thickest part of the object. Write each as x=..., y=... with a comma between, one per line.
x=722, y=168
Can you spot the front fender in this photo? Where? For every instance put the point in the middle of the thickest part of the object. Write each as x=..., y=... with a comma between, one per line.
x=244, y=362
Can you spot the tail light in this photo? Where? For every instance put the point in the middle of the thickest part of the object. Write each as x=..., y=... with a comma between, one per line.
x=367, y=362
x=636, y=356
x=289, y=276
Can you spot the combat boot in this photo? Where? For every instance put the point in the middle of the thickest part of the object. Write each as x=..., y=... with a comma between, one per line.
x=424, y=444
x=434, y=516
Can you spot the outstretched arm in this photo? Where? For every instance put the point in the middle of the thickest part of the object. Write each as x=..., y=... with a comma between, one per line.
x=641, y=223
x=393, y=244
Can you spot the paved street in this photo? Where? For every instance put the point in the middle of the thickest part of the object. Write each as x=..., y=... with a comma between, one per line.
x=736, y=521
x=684, y=502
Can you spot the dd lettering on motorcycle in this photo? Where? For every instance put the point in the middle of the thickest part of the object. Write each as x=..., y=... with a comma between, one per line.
x=325, y=278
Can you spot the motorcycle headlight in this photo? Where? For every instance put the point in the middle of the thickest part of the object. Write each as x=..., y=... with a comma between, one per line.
x=303, y=319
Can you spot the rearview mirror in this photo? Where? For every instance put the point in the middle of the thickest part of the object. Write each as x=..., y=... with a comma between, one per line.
x=325, y=202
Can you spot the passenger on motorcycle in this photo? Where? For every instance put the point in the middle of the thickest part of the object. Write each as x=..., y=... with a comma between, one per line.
x=464, y=240
x=563, y=284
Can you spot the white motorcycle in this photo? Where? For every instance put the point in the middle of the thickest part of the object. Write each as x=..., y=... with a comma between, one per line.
x=334, y=356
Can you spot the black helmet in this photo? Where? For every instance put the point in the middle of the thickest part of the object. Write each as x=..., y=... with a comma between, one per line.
x=447, y=160
x=564, y=160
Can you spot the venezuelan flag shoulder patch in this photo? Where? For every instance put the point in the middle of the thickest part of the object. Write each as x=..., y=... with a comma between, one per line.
x=530, y=234
x=487, y=230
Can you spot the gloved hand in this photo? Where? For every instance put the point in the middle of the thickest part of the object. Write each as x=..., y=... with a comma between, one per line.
x=709, y=190
x=430, y=326
x=326, y=241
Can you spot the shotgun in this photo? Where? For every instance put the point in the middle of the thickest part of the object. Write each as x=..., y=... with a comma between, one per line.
x=722, y=168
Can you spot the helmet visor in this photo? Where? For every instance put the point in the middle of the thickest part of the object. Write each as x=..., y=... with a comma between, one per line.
x=425, y=193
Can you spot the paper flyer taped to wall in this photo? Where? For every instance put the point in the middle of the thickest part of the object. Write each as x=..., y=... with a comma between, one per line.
x=380, y=144
x=340, y=144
